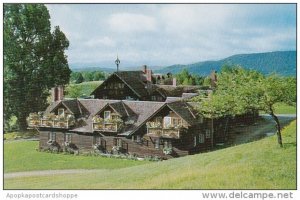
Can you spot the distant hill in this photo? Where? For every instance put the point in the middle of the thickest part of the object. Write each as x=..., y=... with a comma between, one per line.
x=281, y=62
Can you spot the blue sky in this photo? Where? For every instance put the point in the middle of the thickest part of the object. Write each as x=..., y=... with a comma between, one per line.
x=166, y=34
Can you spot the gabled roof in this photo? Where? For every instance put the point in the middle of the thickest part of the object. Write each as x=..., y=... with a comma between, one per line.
x=133, y=79
x=119, y=108
x=136, y=113
x=73, y=106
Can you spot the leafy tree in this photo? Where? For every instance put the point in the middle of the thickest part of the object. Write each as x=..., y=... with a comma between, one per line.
x=88, y=76
x=185, y=78
x=274, y=89
x=241, y=91
x=98, y=76
x=79, y=79
x=34, y=60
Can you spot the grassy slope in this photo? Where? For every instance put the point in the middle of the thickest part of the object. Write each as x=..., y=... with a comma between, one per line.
x=257, y=165
x=281, y=108
x=22, y=156
x=82, y=89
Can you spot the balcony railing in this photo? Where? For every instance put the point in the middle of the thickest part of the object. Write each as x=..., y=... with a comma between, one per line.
x=171, y=132
x=105, y=126
x=110, y=125
x=51, y=120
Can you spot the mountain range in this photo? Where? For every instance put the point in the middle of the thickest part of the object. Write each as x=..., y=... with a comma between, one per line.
x=280, y=62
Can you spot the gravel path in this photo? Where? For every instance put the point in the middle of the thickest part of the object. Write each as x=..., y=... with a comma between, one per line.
x=262, y=128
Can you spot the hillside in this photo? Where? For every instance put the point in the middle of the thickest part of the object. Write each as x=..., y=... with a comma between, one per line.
x=281, y=62
x=257, y=165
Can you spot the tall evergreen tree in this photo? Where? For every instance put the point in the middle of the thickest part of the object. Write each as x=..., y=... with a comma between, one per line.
x=34, y=60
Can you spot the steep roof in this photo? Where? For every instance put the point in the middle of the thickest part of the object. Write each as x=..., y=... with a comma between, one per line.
x=133, y=79
x=135, y=113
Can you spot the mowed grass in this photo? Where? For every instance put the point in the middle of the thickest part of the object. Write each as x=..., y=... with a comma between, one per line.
x=81, y=89
x=258, y=165
x=22, y=156
x=282, y=108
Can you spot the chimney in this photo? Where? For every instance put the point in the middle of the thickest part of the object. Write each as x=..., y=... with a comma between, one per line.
x=174, y=82
x=213, y=79
x=144, y=69
x=57, y=93
x=149, y=75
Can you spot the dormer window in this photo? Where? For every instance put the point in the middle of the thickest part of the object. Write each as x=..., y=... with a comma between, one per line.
x=106, y=115
x=61, y=112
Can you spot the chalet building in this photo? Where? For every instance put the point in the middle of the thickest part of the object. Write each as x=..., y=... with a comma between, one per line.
x=141, y=85
x=131, y=113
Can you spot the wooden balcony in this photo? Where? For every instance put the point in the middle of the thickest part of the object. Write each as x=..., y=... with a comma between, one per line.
x=105, y=127
x=164, y=132
x=53, y=121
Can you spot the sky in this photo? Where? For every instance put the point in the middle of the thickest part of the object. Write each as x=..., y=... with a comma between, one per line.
x=166, y=34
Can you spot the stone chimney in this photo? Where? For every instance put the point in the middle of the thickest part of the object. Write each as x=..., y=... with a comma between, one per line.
x=57, y=93
x=144, y=69
x=149, y=75
x=174, y=82
x=213, y=79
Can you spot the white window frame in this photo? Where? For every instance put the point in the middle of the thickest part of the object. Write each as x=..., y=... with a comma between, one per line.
x=61, y=111
x=68, y=137
x=169, y=120
x=201, y=138
x=105, y=117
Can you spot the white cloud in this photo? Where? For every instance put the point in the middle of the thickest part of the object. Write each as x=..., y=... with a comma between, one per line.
x=130, y=22
x=103, y=41
x=164, y=34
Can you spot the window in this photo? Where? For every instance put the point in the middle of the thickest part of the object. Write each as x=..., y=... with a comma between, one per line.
x=61, y=111
x=167, y=144
x=153, y=98
x=195, y=141
x=167, y=122
x=201, y=138
x=51, y=136
x=68, y=137
x=138, y=138
x=106, y=115
x=207, y=133
x=157, y=143
x=97, y=140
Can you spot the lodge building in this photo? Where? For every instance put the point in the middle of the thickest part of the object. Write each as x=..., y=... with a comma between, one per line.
x=132, y=112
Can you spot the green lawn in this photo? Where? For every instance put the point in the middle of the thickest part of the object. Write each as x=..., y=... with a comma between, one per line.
x=282, y=108
x=82, y=89
x=258, y=165
x=22, y=156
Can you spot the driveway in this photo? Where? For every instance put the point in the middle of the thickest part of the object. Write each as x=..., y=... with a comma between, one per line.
x=264, y=127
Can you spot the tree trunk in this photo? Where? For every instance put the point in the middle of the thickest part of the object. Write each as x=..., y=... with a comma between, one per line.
x=279, y=138
x=22, y=123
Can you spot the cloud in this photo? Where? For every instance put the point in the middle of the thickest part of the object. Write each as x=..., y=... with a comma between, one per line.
x=130, y=22
x=165, y=34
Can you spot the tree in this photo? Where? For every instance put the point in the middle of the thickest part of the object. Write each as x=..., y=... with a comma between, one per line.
x=274, y=89
x=79, y=79
x=98, y=76
x=34, y=60
x=241, y=91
